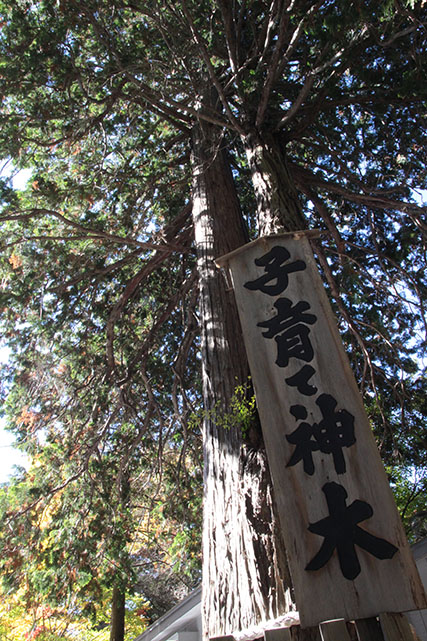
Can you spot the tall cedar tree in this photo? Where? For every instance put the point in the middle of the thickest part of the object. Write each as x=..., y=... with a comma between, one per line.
x=317, y=107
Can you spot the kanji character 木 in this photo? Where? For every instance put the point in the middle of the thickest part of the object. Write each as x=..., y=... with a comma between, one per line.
x=342, y=533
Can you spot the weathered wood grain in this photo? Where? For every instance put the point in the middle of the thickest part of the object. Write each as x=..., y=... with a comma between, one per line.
x=386, y=585
x=395, y=627
x=294, y=633
x=334, y=631
x=278, y=634
x=369, y=629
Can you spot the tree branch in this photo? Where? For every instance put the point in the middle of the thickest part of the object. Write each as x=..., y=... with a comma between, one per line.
x=272, y=67
x=212, y=75
x=93, y=233
x=135, y=283
x=415, y=212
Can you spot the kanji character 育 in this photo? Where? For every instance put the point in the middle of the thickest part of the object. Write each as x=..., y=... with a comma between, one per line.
x=341, y=532
x=276, y=269
x=289, y=327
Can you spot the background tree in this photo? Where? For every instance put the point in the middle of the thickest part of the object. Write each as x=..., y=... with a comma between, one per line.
x=73, y=549
x=318, y=105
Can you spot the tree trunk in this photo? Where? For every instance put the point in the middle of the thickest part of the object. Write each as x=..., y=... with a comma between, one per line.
x=278, y=207
x=118, y=604
x=117, y=625
x=245, y=574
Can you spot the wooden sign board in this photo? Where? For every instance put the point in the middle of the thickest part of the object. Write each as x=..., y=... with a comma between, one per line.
x=348, y=554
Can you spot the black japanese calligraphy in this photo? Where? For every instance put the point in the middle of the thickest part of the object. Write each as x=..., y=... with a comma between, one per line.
x=294, y=343
x=298, y=411
x=322, y=432
x=287, y=316
x=341, y=532
x=300, y=381
x=290, y=331
x=334, y=432
x=275, y=279
x=303, y=439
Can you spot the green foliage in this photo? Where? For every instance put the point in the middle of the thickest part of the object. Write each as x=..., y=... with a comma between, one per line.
x=241, y=413
x=19, y=620
x=98, y=270
x=410, y=488
x=242, y=408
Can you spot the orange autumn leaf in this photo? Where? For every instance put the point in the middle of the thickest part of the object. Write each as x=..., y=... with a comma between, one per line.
x=28, y=418
x=15, y=261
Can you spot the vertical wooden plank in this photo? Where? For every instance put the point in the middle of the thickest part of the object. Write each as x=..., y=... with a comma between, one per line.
x=348, y=553
x=395, y=627
x=294, y=633
x=334, y=631
x=278, y=634
x=305, y=634
x=369, y=629
x=352, y=630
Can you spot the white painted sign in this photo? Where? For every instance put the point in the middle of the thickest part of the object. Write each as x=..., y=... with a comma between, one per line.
x=348, y=554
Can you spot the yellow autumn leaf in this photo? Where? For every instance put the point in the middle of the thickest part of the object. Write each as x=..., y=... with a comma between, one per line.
x=15, y=261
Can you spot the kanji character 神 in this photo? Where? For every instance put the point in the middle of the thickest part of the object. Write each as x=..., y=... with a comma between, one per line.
x=334, y=432
x=302, y=438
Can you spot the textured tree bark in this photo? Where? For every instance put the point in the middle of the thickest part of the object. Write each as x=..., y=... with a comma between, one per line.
x=118, y=603
x=117, y=627
x=245, y=573
x=278, y=207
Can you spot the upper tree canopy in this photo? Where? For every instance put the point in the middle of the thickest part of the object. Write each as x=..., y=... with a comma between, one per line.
x=99, y=284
